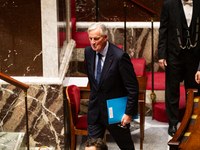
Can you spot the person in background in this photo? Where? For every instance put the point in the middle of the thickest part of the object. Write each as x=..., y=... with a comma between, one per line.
x=95, y=144
x=178, y=51
x=111, y=75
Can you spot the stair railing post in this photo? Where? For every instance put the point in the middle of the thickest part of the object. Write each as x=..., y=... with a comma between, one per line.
x=125, y=26
x=27, y=130
x=97, y=9
x=152, y=95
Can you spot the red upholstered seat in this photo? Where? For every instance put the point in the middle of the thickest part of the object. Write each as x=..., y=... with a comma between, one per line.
x=82, y=122
x=78, y=125
x=75, y=99
x=182, y=102
x=159, y=113
x=73, y=9
x=159, y=80
x=160, y=110
x=139, y=66
x=61, y=38
x=73, y=27
x=82, y=39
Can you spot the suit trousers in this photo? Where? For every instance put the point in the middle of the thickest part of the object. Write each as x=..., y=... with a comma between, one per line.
x=179, y=68
x=122, y=136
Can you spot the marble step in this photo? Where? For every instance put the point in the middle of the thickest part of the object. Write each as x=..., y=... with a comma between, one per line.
x=11, y=140
x=15, y=141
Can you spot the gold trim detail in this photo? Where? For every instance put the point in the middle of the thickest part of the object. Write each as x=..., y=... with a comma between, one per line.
x=124, y=4
x=151, y=19
x=194, y=116
x=187, y=133
x=196, y=100
x=43, y=147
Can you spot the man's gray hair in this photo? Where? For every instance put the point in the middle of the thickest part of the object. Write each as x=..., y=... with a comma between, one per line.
x=98, y=25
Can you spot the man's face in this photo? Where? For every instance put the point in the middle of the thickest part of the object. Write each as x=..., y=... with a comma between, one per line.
x=97, y=42
x=90, y=148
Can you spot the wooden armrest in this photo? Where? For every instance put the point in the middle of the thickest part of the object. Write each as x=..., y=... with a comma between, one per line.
x=175, y=141
x=142, y=83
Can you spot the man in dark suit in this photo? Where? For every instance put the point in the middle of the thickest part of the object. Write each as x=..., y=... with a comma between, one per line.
x=115, y=79
x=178, y=51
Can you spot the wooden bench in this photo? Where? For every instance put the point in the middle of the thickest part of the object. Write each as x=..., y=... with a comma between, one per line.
x=187, y=136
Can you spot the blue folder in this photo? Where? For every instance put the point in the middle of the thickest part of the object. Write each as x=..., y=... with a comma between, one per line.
x=116, y=109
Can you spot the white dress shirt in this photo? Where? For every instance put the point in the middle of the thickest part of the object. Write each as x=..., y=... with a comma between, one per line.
x=188, y=9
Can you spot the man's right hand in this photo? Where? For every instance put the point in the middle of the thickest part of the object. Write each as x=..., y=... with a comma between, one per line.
x=163, y=63
x=197, y=77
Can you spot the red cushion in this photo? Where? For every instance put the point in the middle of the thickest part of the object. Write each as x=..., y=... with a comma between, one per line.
x=182, y=101
x=82, y=39
x=159, y=80
x=73, y=9
x=160, y=110
x=61, y=38
x=73, y=27
x=74, y=95
x=139, y=66
x=82, y=122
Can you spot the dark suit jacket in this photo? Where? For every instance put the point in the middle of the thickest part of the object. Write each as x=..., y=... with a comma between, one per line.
x=169, y=22
x=117, y=79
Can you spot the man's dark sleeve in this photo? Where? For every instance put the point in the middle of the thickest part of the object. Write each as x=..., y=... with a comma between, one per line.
x=162, y=43
x=131, y=84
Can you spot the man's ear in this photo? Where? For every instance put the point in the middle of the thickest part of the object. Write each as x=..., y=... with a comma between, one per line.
x=105, y=37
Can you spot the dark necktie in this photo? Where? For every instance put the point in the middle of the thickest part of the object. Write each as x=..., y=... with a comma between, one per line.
x=98, y=68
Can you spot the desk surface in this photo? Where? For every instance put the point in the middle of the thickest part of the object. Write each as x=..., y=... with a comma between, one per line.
x=141, y=80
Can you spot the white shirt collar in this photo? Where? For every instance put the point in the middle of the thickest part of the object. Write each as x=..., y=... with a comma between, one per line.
x=189, y=2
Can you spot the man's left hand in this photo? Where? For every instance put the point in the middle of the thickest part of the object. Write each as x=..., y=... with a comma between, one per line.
x=126, y=119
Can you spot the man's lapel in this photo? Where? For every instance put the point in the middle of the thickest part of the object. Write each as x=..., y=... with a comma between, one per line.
x=107, y=63
x=176, y=13
x=93, y=62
